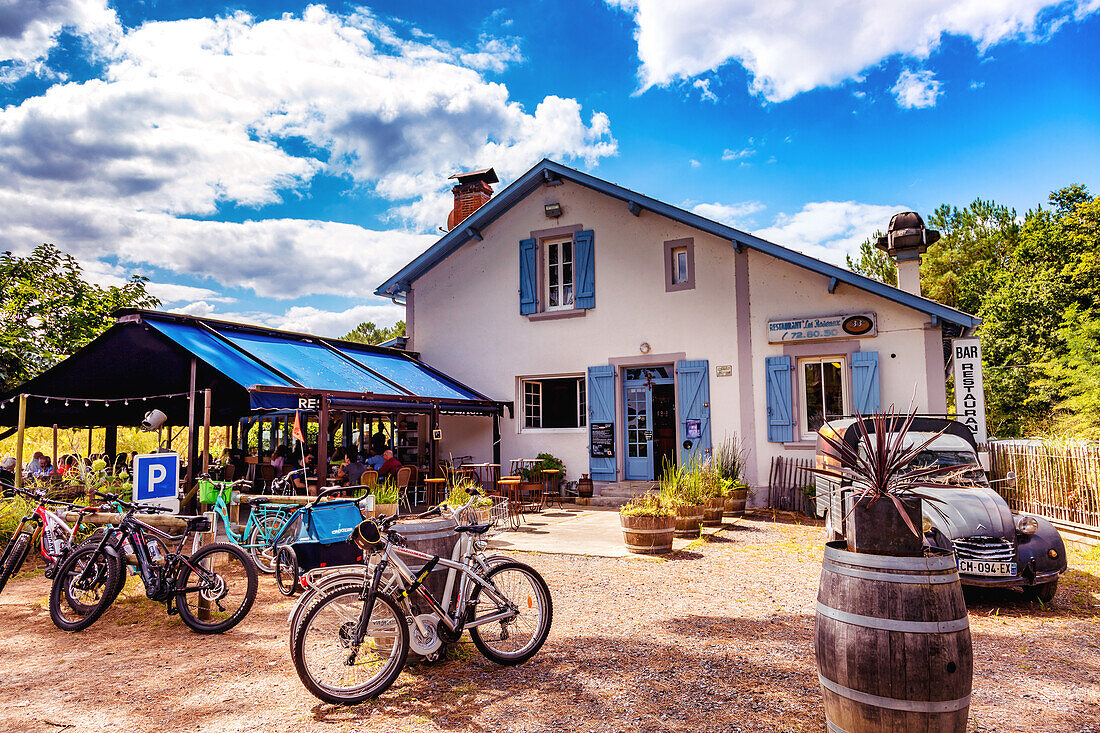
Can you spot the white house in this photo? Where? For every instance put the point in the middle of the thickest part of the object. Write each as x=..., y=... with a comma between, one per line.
x=626, y=331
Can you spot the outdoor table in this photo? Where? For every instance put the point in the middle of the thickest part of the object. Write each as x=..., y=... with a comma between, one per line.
x=485, y=474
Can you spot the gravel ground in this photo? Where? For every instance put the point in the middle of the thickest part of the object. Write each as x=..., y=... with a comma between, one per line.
x=716, y=637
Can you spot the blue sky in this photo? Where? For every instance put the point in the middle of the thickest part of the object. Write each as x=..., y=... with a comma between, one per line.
x=274, y=162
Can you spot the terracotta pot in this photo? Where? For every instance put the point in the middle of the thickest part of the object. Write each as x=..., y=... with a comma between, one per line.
x=688, y=520
x=648, y=535
x=735, y=502
x=712, y=512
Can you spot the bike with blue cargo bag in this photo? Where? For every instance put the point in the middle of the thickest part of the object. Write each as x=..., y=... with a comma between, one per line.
x=314, y=537
x=265, y=519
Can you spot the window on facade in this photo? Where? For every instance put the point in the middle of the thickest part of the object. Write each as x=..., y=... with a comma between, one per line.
x=824, y=392
x=554, y=403
x=679, y=265
x=559, y=274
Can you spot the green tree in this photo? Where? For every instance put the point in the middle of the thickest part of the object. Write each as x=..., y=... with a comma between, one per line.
x=874, y=263
x=368, y=333
x=976, y=244
x=48, y=310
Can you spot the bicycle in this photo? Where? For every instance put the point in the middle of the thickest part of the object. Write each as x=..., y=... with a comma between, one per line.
x=428, y=645
x=352, y=643
x=51, y=533
x=257, y=537
x=94, y=573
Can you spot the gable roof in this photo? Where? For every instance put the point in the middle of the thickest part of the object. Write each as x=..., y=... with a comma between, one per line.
x=548, y=172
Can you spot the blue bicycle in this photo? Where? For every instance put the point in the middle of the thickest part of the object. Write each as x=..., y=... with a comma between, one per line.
x=257, y=536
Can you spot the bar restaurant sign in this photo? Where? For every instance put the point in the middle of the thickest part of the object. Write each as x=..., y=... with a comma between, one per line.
x=822, y=328
x=969, y=390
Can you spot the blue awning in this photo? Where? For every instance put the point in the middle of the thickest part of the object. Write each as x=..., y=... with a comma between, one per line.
x=280, y=370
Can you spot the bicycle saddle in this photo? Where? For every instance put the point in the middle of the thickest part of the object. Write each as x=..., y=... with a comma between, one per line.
x=475, y=528
x=200, y=523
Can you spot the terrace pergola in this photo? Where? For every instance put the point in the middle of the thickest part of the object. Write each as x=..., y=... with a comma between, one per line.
x=202, y=372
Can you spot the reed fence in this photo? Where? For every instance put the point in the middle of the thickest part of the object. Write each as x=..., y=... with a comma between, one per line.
x=791, y=485
x=1057, y=481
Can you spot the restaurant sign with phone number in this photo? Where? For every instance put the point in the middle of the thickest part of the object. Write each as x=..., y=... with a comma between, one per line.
x=821, y=328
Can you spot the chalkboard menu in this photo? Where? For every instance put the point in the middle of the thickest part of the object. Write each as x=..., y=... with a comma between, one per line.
x=602, y=438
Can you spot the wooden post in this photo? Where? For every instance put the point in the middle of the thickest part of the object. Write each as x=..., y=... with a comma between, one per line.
x=89, y=442
x=496, y=438
x=322, y=443
x=55, y=445
x=110, y=443
x=208, y=409
x=192, y=430
x=22, y=427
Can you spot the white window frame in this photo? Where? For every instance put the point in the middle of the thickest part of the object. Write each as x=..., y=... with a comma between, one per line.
x=532, y=403
x=677, y=252
x=547, y=286
x=582, y=404
x=803, y=407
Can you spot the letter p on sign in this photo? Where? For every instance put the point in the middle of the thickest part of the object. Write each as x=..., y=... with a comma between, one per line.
x=156, y=479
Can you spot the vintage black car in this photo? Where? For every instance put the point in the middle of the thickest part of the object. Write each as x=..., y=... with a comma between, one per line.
x=993, y=547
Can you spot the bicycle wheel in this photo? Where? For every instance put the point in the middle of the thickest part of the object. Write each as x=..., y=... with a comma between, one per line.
x=286, y=571
x=86, y=584
x=216, y=588
x=328, y=663
x=261, y=543
x=517, y=639
x=17, y=555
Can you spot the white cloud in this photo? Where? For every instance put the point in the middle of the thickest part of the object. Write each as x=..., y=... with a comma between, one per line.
x=731, y=154
x=703, y=85
x=916, y=89
x=828, y=230
x=305, y=319
x=192, y=115
x=734, y=215
x=794, y=46
x=29, y=30
x=694, y=163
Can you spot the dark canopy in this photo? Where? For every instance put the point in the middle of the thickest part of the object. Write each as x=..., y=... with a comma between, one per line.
x=144, y=362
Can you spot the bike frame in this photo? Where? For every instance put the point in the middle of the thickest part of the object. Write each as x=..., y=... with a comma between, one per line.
x=45, y=523
x=222, y=511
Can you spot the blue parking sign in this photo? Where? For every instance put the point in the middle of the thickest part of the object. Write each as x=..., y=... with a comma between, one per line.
x=156, y=479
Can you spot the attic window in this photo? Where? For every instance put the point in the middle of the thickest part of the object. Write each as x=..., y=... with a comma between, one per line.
x=679, y=257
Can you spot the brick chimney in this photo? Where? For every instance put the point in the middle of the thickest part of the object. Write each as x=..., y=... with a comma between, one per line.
x=471, y=192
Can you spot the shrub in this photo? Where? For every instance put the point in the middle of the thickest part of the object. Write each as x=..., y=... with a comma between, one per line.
x=647, y=505
x=386, y=492
x=11, y=511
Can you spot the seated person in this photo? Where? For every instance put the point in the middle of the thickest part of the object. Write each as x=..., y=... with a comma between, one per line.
x=44, y=469
x=351, y=471
x=389, y=465
x=375, y=461
x=32, y=464
x=307, y=481
x=7, y=471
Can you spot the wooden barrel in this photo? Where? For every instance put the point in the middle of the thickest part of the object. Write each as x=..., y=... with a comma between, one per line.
x=648, y=535
x=735, y=503
x=712, y=512
x=688, y=520
x=892, y=642
x=435, y=536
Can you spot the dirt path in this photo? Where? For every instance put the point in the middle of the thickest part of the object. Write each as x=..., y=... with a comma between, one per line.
x=717, y=637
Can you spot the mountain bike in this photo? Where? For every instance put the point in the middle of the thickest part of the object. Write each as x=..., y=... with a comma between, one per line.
x=41, y=527
x=352, y=643
x=212, y=589
x=257, y=537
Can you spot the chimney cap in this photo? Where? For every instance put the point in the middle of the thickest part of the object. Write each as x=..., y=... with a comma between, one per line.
x=907, y=238
x=488, y=175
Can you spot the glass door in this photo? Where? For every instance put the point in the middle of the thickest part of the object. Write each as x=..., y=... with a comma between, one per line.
x=639, y=434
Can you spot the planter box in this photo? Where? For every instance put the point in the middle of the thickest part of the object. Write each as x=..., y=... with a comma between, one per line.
x=688, y=520
x=712, y=512
x=648, y=535
x=384, y=510
x=735, y=503
x=878, y=529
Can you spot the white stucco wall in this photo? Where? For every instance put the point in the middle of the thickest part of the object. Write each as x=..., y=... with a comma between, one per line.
x=467, y=323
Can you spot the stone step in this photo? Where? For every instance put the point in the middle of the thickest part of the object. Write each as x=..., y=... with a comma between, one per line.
x=609, y=501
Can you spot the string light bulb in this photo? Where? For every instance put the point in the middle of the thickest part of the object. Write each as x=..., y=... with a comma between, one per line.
x=66, y=403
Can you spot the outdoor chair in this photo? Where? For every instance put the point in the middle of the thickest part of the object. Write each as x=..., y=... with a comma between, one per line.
x=404, y=474
x=267, y=474
x=369, y=478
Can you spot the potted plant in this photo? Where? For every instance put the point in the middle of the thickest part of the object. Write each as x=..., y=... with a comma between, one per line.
x=713, y=485
x=386, y=496
x=648, y=525
x=882, y=589
x=460, y=494
x=679, y=492
x=730, y=460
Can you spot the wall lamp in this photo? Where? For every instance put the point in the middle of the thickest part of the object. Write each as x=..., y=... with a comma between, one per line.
x=553, y=211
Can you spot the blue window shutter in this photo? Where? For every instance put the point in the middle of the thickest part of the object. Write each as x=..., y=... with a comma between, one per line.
x=780, y=409
x=693, y=401
x=601, y=409
x=865, y=389
x=528, y=277
x=584, y=255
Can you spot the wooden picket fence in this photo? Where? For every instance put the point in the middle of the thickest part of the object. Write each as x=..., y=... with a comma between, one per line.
x=1057, y=481
x=791, y=485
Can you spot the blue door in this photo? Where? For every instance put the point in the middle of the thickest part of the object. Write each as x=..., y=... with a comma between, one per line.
x=638, y=436
x=639, y=433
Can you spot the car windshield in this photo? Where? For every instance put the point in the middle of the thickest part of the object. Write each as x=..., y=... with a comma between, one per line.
x=972, y=472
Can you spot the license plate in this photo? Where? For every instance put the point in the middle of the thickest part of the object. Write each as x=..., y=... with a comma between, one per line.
x=985, y=567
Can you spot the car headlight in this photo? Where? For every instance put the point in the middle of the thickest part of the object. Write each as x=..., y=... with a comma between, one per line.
x=1027, y=525
x=926, y=525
